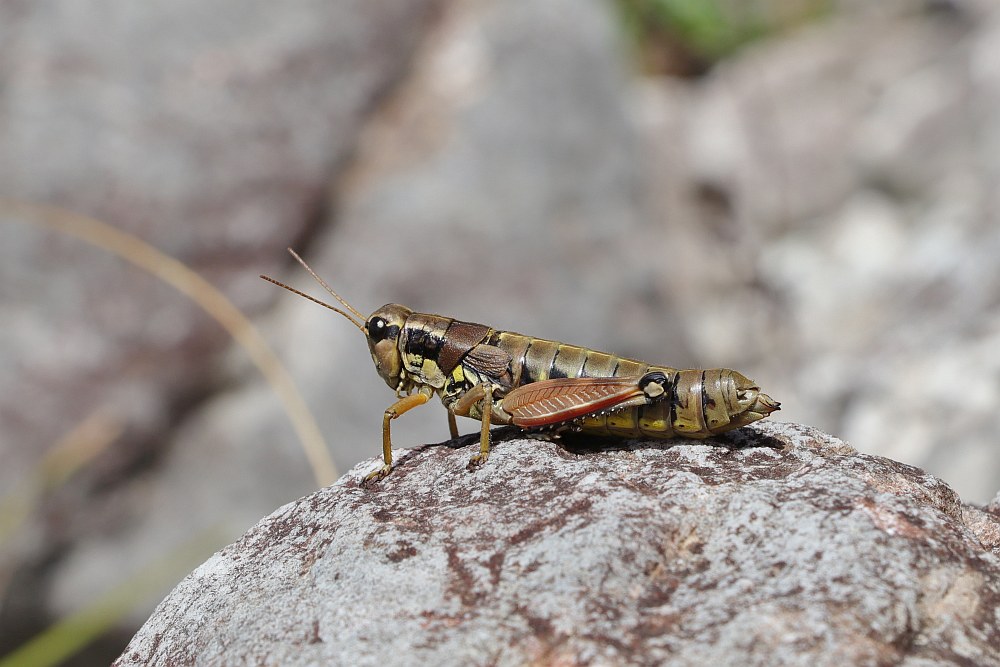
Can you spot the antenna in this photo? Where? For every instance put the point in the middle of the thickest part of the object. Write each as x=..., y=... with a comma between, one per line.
x=357, y=323
x=325, y=286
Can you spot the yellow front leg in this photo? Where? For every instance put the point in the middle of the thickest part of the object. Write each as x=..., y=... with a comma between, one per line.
x=401, y=406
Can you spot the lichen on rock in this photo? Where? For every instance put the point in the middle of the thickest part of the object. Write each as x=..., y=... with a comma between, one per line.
x=776, y=544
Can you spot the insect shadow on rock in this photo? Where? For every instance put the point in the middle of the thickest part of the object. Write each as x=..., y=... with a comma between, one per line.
x=583, y=443
x=502, y=377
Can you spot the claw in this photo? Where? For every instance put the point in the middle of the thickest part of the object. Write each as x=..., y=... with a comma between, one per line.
x=479, y=459
x=378, y=474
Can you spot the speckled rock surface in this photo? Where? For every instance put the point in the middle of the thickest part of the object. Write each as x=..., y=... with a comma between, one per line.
x=777, y=544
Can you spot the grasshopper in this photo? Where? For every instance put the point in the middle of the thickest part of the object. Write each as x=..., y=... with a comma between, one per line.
x=501, y=377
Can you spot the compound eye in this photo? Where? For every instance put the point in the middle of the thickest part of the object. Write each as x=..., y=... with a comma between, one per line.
x=377, y=328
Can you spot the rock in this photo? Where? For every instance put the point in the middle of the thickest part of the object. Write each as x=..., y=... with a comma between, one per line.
x=776, y=544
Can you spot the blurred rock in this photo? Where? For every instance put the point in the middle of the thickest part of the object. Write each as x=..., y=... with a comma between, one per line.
x=779, y=545
x=834, y=196
x=210, y=131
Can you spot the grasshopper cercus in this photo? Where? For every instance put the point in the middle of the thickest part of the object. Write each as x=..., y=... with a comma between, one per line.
x=500, y=377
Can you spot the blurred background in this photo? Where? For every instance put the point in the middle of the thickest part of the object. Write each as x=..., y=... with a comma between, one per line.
x=804, y=190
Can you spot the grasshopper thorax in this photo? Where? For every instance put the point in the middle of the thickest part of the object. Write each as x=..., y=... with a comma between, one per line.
x=382, y=330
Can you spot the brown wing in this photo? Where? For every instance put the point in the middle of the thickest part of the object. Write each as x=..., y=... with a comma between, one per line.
x=459, y=338
x=488, y=360
x=562, y=399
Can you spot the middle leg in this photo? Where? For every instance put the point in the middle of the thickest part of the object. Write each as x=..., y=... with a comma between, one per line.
x=482, y=393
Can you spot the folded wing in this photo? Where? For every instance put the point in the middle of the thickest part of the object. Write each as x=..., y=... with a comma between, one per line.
x=549, y=402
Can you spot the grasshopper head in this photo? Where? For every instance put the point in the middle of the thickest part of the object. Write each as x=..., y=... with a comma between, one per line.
x=382, y=330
